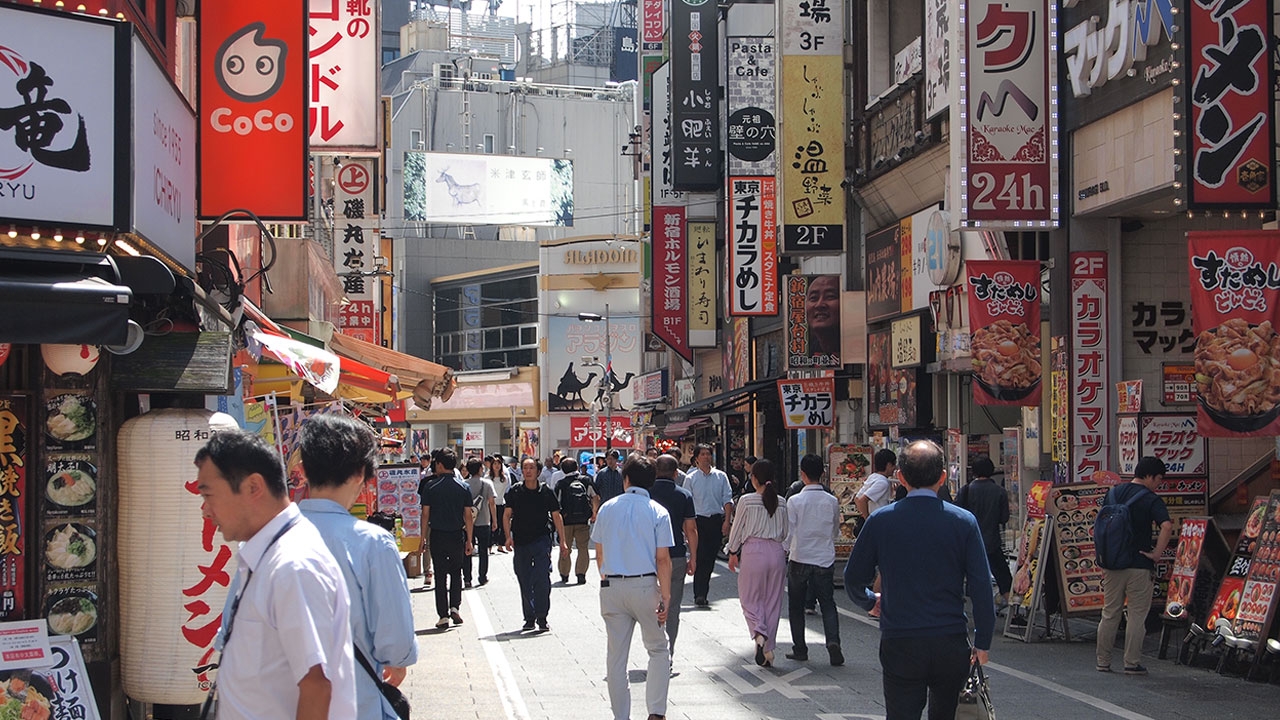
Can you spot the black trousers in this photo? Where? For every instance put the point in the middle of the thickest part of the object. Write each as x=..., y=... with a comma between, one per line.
x=926, y=667
x=1000, y=569
x=481, y=536
x=448, y=554
x=710, y=537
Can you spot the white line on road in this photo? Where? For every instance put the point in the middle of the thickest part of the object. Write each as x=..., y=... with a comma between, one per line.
x=508, y=691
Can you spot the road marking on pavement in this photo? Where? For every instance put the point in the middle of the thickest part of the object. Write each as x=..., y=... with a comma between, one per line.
x=846, y=716
x=508, y=690
x=784, y=685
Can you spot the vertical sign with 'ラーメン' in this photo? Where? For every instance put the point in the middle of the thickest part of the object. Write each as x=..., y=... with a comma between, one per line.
x=702, y=283
x=1004, y=322
x=253, y=108
x=670, y=305
x=753, y=247
x=355, y=249
x=1235, y=312
x=813, y=132
x=1090, y=376
x=813, y=321
x=1006, y=145
x=345, y=56
x=695, y=95
x=1231, y=124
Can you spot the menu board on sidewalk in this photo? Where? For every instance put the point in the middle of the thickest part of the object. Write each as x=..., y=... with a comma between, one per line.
x=847, y=468
x=1185, y=565
x=397, y=492
x=1226, y=603
x=1258, y=598
x=1074, y=508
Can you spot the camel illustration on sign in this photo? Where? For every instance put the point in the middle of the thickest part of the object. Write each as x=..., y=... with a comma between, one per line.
x=568, y=394
x=615, y=387
x=461, y=194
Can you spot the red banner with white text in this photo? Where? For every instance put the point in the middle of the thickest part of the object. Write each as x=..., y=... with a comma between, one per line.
x=1004, y=319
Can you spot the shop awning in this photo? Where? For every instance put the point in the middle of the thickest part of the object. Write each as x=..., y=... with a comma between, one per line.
x=720, y=403
x=62, y=297
x=678, y=429
x=426, y=379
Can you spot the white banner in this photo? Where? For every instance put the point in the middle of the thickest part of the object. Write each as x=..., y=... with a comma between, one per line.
x=939, y=36
x=346, y=54
x=812, y=28
x=751, y=135
x=753, y=246
x=356, y=241
x=487, y=189
x=1090, y=380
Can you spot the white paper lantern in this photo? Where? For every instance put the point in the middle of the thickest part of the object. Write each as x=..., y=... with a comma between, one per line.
x=70, y=359
x=168, y=605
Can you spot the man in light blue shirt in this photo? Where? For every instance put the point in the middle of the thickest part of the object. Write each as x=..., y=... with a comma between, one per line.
x=339, y=455
x=713, y=501
x=633, y=538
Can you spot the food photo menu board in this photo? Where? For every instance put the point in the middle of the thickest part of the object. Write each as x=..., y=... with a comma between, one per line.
x=397, y=493
x=1185, y=565
x=1226, y=603
x=1258, y=597
x=1073, y=508
x=847, y=468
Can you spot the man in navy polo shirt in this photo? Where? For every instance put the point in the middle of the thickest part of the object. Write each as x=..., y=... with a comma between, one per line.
x=684, y=530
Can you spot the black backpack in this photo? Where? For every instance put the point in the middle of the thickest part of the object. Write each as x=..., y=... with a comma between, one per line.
x=575, y=499
x=1117, y=548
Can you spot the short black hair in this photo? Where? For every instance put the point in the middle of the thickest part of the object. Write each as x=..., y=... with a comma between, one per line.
x=446, y=457
x=335, y=447
x=883, y=459
x=238, y=454
x=812, y=466
x=568, y=465
x=751, y=460
x=615, y=454
x=473, y=466
x=983, y=467
x=704, y=447
x=1150, y=466
x=639, y=471
x=921, y=464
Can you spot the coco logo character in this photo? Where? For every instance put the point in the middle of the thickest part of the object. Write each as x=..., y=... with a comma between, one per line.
x=251, y=69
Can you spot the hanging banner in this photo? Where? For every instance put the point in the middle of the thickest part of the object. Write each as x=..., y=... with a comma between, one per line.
x=813, y=321
x=1005, y=142
x=884, y=273
x=1235, y=311
x=585, y=431
x=1004, y=319
x=753, y=246
x=1090, y=376
x=813, y=129
x=751, y=135
x=355, y=246
x=344, y=55
x=702, y=283
x=16, y=444
x=938, y=40
x=808, y=402
x=652, y=25
x=253, y=108
x=670, y=262
x=695, y=95
x=1231, y=125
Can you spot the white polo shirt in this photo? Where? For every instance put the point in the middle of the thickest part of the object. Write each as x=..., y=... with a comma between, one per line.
x=294, y=615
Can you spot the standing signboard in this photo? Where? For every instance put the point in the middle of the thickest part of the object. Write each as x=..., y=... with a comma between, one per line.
x=1090, y=379
x=1258, y=597
x=1060, y=408
x=1006, y=147
x=1074, y=508
x=1004, y=322
x=397, y=494
x=253, y=108
x=1186, y=564
x=847, y=468
x=345, y=57
x=695, y=95
x=1226, y=602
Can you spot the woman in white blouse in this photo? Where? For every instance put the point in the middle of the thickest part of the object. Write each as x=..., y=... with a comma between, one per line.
x=756, y=543
x=497, y=473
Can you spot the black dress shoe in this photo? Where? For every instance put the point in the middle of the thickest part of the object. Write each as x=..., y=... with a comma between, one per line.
x=528, y=625
x=837, y=655
x=582, y=579
x=801, y=657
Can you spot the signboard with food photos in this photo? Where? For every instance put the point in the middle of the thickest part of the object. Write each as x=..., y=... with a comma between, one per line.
x=1226, y=603
x=847, y=468
x=1258, y=597
x=1073, y=509
x=397, y=493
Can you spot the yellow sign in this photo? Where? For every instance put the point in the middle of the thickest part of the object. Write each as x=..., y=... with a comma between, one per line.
x=812, y=150
x=905, y=335
x=701, y=246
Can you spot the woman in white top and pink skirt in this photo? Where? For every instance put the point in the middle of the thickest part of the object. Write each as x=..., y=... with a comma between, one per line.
x=756, y=551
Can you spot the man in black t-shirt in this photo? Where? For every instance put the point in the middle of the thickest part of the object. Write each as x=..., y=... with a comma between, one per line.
x=578, y=501
x=1135, y=583
x=989, y=503
x=532, y=511
x=447, y=511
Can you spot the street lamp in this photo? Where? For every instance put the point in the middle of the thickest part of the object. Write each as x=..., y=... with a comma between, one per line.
x=606, y=382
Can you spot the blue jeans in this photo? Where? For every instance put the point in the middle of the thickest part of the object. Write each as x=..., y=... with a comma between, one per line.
x=532, y=562
x=810, y=581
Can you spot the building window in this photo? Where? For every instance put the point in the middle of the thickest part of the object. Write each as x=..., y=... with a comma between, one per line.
x=892, y=27
x=487, y=325
x=415, y=139
x=488, y=143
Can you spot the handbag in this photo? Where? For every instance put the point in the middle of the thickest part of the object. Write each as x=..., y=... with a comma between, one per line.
x=975, y=697
x=398, y=701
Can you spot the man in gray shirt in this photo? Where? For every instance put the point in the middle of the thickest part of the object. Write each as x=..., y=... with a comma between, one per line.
x=485, y=505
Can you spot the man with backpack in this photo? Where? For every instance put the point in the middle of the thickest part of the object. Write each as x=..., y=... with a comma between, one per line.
x=1122, y=535
x=576, y=495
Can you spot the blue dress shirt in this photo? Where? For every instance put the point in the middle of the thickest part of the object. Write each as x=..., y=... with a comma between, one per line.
x=631, y=528
x=711, y=491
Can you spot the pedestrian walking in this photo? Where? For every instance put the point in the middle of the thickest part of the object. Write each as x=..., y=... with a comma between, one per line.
x=633, y=538
x=989, y=504
x=678, y=503
x=713, y=501
x=928, y=552
x=424, y=552
x=485, y=509
x=339, y=455
x=756, y=551
x=608, y=480
x=292, y=656
x=1132, y=586
x=549, y=469
x=577, y=498
x=877, y=491
x=813, y=524
x=532, y=513
x=447, y=511
x=502, y=478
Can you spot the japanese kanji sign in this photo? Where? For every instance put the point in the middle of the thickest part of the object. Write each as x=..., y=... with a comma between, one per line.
x=753, y=247
x=813, y=135
x=1231, y=123
x=813, y=321
x=1090, y=378
x=884, y=273
x=356, y=243
x=751, y=138
x=695, y=95
x=345, y=54
x=1004, y=319
x=58, y=112
x=670, y=262
x=808, y=402
x=702, y=283
x=1005, y=146
x=1235, y=311
x=253, y=108
x=15, y=456
x=938, y=40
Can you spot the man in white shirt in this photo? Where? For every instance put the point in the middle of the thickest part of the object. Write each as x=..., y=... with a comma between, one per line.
x=713, y=501
x=877, y=491
x=286, y=629
x=813, y=515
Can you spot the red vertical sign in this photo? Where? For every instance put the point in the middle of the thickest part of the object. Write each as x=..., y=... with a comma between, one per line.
x=1090, y=383
x=1004, y=315
x=670, y=264
x=15, y=458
